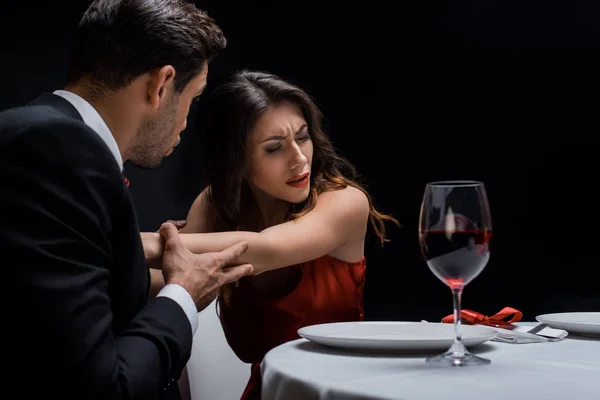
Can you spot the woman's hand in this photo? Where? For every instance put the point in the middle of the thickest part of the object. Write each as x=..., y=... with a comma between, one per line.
x=180, y=224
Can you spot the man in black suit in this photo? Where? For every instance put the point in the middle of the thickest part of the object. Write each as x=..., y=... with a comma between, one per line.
x=78, y=321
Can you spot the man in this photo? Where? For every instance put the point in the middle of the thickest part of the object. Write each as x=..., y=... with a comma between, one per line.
x=78, y=323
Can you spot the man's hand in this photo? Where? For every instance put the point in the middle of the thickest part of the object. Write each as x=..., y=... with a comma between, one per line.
x=153, y=244
x=202, y=275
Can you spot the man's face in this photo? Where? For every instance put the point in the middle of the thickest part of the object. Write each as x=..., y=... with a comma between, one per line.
x=156, y=137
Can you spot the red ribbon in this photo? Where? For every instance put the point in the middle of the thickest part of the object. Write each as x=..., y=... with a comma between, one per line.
x=502, y=319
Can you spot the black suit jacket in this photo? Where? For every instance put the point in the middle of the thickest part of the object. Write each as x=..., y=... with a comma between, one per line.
x=77, y=323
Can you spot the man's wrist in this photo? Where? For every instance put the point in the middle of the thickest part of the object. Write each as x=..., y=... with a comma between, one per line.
x=183, y=284
x=182, y=297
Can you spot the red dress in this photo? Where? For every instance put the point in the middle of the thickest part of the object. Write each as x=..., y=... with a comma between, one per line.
x=329, y=290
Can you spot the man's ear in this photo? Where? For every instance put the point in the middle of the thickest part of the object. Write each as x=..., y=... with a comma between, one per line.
x=162, y=83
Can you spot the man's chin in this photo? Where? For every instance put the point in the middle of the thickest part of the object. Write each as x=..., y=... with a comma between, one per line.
x=147, y=164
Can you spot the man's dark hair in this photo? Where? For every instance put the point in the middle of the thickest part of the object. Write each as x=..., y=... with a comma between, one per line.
x=119, y=40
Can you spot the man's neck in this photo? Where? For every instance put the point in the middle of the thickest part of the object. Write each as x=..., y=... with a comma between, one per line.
x=115, y=110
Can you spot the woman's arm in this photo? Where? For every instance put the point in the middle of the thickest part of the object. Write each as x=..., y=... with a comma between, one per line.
x=339, y=217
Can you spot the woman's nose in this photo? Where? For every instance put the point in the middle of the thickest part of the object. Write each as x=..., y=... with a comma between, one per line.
x=298, y=160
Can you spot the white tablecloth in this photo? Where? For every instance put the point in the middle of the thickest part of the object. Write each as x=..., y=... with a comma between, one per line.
x=564, y=370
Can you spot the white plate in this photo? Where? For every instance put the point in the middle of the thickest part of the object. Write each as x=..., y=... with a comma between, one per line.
x=573, y=322
x=390, y=335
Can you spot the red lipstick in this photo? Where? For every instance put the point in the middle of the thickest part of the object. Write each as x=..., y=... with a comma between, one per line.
x=299, y=181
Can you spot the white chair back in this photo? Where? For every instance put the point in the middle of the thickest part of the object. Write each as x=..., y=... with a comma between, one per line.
x=215, y=372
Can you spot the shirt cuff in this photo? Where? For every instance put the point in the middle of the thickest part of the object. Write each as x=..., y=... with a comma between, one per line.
x=181, y=296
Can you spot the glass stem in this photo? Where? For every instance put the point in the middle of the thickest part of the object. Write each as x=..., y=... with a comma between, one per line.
x=456, y=297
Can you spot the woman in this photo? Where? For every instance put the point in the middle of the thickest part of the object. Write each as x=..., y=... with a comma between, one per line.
x=275, y=181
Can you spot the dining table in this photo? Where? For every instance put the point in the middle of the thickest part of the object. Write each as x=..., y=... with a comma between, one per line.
x=566, y=369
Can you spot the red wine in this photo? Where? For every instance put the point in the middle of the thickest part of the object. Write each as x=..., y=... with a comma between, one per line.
x=456, y=257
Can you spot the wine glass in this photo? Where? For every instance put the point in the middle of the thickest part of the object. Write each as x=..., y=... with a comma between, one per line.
x=455, y=228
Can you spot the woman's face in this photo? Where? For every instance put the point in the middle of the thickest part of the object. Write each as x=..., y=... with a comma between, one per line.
x=279, y=153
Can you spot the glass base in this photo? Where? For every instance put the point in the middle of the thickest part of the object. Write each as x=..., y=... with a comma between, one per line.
x=457, y=356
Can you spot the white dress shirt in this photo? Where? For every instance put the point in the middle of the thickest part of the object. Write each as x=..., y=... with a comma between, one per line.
x=94, y=120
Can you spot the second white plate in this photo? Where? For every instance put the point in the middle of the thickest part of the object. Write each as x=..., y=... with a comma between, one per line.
x=391, y=335
x=573, y=322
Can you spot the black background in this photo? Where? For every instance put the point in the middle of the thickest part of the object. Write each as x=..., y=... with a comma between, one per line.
x=501, y=91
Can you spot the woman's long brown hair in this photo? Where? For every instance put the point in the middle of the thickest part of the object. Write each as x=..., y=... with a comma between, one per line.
x=234, y=108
